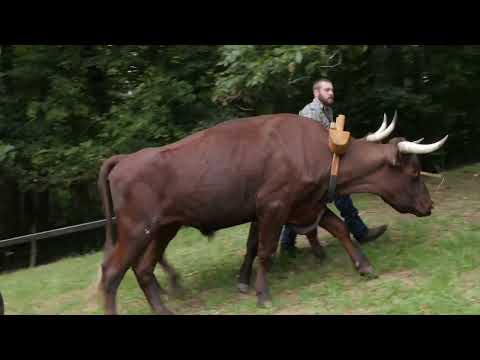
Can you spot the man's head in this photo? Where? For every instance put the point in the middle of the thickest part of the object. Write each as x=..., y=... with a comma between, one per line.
x=323, y=91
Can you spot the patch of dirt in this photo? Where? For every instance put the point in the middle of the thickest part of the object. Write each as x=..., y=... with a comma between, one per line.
x=293, y=310
x=308, y=310
x=406, y=277
x=196, y=303
x=192, y=306
x=289, y=295
x=357, y=311
x=90, y=297
x=472, y=217
x=468, y=283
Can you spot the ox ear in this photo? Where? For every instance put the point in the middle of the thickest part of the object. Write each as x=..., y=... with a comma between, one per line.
x=394, y=156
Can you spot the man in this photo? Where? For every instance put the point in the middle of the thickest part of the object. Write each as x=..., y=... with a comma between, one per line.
x=320, y=110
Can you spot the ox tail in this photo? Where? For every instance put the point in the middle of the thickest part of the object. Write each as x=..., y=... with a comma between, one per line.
x=107, y=202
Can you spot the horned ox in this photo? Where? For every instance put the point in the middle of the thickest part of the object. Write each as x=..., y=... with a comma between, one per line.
x=269, y=170
x=308, y=222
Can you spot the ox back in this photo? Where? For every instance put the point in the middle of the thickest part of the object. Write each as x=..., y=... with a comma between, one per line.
x=214, y=178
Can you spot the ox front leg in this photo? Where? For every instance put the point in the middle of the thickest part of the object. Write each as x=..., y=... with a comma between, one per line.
x=335, y=226
x=271, y=219
x=173, y=277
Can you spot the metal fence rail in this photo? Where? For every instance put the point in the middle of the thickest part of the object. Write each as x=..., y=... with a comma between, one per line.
x=32, y=238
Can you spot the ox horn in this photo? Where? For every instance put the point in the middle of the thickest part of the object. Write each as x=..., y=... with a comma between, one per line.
x=380, y=135
x=383, y=126
x=408, y=147
x=418, y=141
x=424, y=173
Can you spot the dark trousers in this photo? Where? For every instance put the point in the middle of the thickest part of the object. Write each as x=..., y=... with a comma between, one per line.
x=349, y=214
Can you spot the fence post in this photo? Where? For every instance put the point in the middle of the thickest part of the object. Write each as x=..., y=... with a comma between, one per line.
x=33, y=253
x=33, y=230
x=2, y=307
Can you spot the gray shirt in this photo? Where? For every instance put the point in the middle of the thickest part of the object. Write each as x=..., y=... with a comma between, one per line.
x=318, y=112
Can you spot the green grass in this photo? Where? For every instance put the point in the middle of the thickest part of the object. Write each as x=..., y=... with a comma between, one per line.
x=425, y=266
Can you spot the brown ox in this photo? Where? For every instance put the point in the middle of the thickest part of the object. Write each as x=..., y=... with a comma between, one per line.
x=307, y=223
x=268, y=169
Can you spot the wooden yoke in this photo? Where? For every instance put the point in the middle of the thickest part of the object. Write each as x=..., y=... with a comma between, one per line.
x=338, y=141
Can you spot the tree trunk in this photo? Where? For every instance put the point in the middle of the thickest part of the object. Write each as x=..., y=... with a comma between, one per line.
x=8, y=224
x=33, y=228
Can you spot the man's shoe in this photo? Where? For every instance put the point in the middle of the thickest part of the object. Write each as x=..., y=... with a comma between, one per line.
x=372, y=234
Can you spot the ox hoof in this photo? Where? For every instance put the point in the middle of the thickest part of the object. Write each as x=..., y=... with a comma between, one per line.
x=368, y=273
x=243, y=288
x=264, y=301
x=319, y=254
x=165, y=311
x=264, y=304
x=178, y=292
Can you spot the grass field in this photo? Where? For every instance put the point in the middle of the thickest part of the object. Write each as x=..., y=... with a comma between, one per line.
x=425, y=266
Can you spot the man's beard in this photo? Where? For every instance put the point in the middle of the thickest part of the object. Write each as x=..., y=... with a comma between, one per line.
x=328, y=101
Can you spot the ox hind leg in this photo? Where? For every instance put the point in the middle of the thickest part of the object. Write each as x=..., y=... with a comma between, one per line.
x=131, y=243
x=173, y=276
x=246, y=269
x=335, y=226
x=145, y=266
x=271, y=218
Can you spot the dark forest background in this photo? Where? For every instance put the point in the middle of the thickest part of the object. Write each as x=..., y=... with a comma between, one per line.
x=64, y=109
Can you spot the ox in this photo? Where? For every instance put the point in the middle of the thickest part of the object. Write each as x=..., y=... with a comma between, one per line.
x=306, y=223
x=268, y=170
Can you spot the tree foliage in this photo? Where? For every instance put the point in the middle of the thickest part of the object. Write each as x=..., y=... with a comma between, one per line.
x=66, y=108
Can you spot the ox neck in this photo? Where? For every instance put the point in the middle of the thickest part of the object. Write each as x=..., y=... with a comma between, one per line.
x=361, y=166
